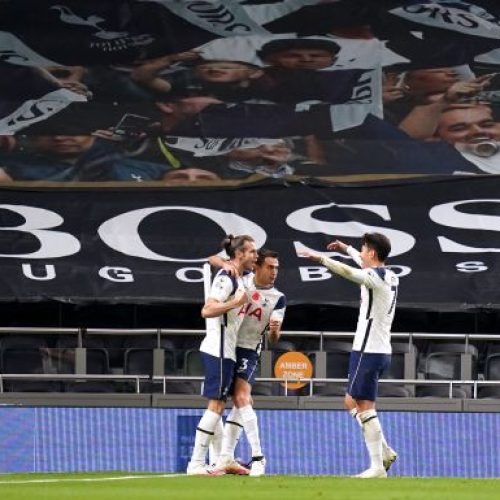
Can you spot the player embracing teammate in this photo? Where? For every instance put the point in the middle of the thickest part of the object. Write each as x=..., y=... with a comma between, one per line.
x=245, y=304
x=253, y=306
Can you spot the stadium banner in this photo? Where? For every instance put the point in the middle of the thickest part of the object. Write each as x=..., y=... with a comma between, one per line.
x=149, y=245
x=41, y=440
x=169, y=91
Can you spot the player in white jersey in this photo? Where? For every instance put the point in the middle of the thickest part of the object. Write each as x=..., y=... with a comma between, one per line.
x=265, y=311
x=218, y=348
x=371, y=349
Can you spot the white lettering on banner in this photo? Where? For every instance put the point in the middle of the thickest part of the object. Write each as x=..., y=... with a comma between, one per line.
x=471, y=267
x=117, y=274
x=322, y=273
x=314, y=273
x=182, y=274
x=447, y=215
x=303, y=220
x=121, y=233
x=39, y=223
x=50, y=272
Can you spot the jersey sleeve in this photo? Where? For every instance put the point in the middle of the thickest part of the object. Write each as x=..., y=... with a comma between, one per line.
x=367, y=277
x=222, y=288
x=278, y=313
x=355, y=255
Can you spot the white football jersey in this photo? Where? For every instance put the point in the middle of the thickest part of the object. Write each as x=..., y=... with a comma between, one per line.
x=379, y=290
x=265, y=304
x=220, y=339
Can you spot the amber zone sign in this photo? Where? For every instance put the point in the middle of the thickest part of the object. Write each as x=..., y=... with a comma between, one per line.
x=294, y=366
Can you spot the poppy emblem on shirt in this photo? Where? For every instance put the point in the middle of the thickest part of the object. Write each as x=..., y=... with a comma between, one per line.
x=255, y=296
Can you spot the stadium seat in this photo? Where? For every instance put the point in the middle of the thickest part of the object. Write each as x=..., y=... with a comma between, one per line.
x=182, y=387
x=444, y=362
x=337, y=366
x=491, y=372
x=282, y=345
x=329, y=389
x=91, y=386
x=491, y=392
x=193, y=366
x=337, y=345
x=442, y=365
x=394, y=391
x=263, y=389
x=25, y=354
x=139, y=361
x=439, y=391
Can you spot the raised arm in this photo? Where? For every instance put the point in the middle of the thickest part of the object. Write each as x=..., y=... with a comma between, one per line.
x=276, y=319
x=360, y=276
x=228, y=266
x=148, y=73
x=213, y=308
x=340, y=246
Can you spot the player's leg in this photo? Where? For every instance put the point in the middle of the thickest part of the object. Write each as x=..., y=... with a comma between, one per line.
x=215, y=447
x=242, y=415
x=218, y=378
x=243, y=401
x=389, y=456
x=364, y=371
x=231, y=435
x=372, y=433
x=246, y=369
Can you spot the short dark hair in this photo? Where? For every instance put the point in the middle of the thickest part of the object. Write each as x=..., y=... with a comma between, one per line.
x=379, y=243
x=297, y=43
x=232, y=243
x=263, y=253
x=201, y=62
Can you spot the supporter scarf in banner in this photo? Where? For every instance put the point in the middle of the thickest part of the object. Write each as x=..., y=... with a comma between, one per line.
x=36, y=110
x=30, y=95
x=15, y=51
x=454, y=15
x=366, y=99
x=204, y=146
x=227, y=18
x=219, y=17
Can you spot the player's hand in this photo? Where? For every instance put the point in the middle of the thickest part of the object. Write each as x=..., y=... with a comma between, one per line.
x=274, y=330
x=309, y=255
x=240, y=297
x=231, y=269
x=337, y=246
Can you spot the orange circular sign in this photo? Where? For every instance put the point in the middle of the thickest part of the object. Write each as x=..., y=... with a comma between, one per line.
x=293, y=366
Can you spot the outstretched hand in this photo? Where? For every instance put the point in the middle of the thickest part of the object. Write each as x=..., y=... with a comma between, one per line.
x=337, y=246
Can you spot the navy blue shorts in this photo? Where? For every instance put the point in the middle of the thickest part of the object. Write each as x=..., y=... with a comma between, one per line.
x=247, y=361
x=219, y=374
x=365, y=368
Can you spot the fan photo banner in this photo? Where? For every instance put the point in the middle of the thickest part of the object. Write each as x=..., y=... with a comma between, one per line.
x=229, y=92
x=149, y=246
